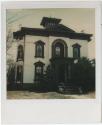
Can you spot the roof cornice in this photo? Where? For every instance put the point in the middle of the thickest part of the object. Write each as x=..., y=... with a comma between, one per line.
x=45, y=32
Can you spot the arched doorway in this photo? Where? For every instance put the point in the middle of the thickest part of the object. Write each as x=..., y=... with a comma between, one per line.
x=59, y=49
x=59, y=57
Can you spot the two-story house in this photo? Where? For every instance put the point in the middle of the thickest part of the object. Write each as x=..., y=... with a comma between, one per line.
x=54, y=44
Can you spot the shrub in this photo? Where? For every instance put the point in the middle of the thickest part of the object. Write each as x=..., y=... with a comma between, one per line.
x=46, y=81
x=84, y=74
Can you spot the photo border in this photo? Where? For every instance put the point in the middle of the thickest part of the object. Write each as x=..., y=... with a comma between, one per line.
x=51, y=108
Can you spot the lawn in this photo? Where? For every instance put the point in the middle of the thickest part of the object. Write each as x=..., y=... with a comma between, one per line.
x=46, y=95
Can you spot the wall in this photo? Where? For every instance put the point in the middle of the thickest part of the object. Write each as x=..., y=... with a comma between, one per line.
x=70, y=42
x=91, y=50
x=29, y=57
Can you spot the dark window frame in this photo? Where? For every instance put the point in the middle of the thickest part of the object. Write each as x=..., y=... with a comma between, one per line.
x=76, y=46
x=20, y=53
x=65, y=51
x=19, y=76
x=41, y=43
x=37, y=75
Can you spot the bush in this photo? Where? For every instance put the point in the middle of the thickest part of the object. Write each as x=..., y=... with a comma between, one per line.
x=46, y=82
x=84, y=74
x=11, y=75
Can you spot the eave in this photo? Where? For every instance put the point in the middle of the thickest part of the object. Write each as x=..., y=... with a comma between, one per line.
x=44, y=32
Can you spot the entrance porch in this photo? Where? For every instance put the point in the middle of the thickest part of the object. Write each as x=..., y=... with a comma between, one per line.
x=62, y=68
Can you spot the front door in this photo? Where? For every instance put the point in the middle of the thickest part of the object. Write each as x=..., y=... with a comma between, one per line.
x=61, y=73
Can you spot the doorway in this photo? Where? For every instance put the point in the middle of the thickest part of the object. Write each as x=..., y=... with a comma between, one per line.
x=61, y=73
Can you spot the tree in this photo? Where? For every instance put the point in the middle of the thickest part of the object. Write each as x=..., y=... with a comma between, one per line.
x=10, y=62
x=9, y=39
x=84, y=74
x=10, y=71
x=46, y=82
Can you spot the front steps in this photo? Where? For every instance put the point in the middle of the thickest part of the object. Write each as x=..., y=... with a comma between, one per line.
x=69, y=89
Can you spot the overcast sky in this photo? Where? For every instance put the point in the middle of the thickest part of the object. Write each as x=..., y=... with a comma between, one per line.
x=77, y=19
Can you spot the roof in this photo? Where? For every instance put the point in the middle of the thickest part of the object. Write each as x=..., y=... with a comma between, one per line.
x=44, y=32
x=52, y=29
x=64, y=28
x=46, y=20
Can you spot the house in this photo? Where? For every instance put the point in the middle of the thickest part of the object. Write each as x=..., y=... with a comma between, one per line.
x=54, y=44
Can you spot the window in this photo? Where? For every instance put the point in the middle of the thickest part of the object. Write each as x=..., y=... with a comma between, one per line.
x=76, y=50
x=20, y=55
x=38, y=70
x=57, y=51
x=39, y=50
x=19, y=77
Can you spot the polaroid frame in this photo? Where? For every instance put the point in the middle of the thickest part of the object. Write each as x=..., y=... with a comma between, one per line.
x=53, y=110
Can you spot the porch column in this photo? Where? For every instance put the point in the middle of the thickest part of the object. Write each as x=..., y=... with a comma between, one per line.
x=66, y=76
x=69, y=71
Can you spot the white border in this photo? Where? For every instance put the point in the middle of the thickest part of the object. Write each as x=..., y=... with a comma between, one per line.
x=53, y=110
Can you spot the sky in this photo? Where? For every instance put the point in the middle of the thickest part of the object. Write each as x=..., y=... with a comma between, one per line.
x=77, y=19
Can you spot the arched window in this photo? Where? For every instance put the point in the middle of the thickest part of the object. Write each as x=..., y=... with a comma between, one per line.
x=39, y=49
x=57, y=51
x=76, y=50
x=20, y=55
x=38, y=70
x=59, y=48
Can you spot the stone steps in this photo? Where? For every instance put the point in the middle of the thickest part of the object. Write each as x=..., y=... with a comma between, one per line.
x=69, y=90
